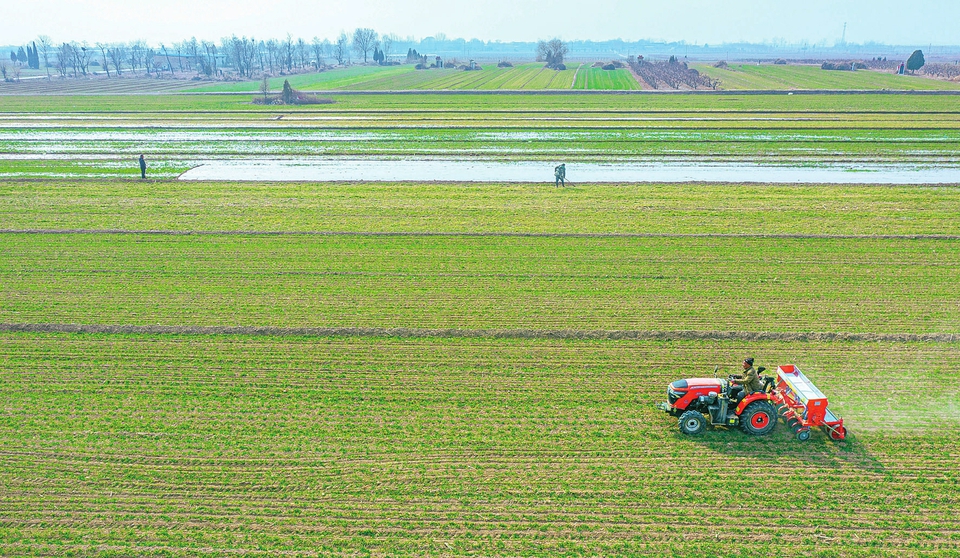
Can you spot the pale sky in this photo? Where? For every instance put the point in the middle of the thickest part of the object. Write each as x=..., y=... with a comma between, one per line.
x=914, y=22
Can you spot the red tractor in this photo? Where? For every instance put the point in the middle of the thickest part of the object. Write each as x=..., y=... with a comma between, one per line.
x=702, y=401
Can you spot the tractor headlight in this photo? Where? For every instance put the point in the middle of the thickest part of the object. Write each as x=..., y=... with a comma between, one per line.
x=673, y=395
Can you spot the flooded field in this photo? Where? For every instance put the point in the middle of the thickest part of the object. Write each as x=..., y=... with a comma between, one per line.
x=435, y=170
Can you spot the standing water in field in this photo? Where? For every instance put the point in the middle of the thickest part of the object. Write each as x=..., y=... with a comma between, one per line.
x=436, y=170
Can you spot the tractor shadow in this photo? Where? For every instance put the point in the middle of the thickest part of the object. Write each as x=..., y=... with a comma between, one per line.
x=781, y=447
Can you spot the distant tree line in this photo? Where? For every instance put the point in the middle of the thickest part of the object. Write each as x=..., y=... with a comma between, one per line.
x=253, y=58
x=246, y=57
x=28, y=56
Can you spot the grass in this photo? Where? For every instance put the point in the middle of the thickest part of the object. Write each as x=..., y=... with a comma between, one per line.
x=150, y=107
x=598, y=78
x=530, y=76
x=854, y=282
x=848, y=285
x=335, y=79
x=494, y=208
x=748, y=76
x=194, y=444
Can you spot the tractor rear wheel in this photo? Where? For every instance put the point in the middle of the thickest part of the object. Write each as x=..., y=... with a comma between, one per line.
x=759, y=418
x=692, y=422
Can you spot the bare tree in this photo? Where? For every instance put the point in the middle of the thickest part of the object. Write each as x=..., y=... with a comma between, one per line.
x=167, y=57
x=209, y=60
x=179, y=47
x=241, y=52
x=150, y=61
x=103, y=54
x=193, y=52
x=287, y=47
x=64, y=55
x=387, y=42
x=303, y=53
x=365, y=40
x=225, y=51
x=317, y=47
x=80, y=58
x=265, y=89
x=3, y=70
x=137, y=52
x=260, y=54
x=341, y=49
x=551, y=52
x=117, y=55
x=273, y=48
x=46, y=44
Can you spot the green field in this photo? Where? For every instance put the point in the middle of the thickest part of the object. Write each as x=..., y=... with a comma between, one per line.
x=533, y=76
x=471, y=422
x=440, y=369
x=598, y=78
x=780, y=77
x=528, y=76
x=170, y=445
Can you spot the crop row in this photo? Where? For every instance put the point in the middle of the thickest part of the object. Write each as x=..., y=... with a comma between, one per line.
x=438, y=446
x=525, y=76
x=840, y=104
x=127, y=85
x=727, y=284
x=749, y=76
x=480, y=208
x=598, y=78
x=371, y=78
x=582, y=122
x=576, y=144
x=732, y=77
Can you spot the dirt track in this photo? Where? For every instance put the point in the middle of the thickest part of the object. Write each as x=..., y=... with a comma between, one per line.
x=407, y=332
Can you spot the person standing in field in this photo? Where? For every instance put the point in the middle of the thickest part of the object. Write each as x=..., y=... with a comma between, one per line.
x=560, y=175
x=143, y=167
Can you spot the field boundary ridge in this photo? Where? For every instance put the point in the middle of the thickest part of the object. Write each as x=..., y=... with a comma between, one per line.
x=505, y=234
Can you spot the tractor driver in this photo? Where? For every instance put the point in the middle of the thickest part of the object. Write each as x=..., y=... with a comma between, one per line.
x=749, y=381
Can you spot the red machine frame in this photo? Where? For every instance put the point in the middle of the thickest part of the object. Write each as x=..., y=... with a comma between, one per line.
x=803, y=406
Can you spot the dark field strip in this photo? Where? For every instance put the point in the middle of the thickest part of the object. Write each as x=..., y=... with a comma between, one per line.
x=861, y=102
x=417, y=333
x=217, y=444
x=781, y=285
x=480, y=234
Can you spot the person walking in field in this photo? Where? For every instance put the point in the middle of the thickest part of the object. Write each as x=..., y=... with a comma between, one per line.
x=143, y=167
x=560, y=175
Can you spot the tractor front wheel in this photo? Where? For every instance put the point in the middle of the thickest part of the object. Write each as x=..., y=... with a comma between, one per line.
x=759, y=418
x=692, y=422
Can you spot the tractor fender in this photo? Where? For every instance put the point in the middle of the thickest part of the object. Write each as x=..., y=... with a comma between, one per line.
x=755, y=396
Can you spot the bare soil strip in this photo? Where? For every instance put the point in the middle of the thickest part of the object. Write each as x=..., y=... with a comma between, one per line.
x=161, y=232
x=408, y=332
